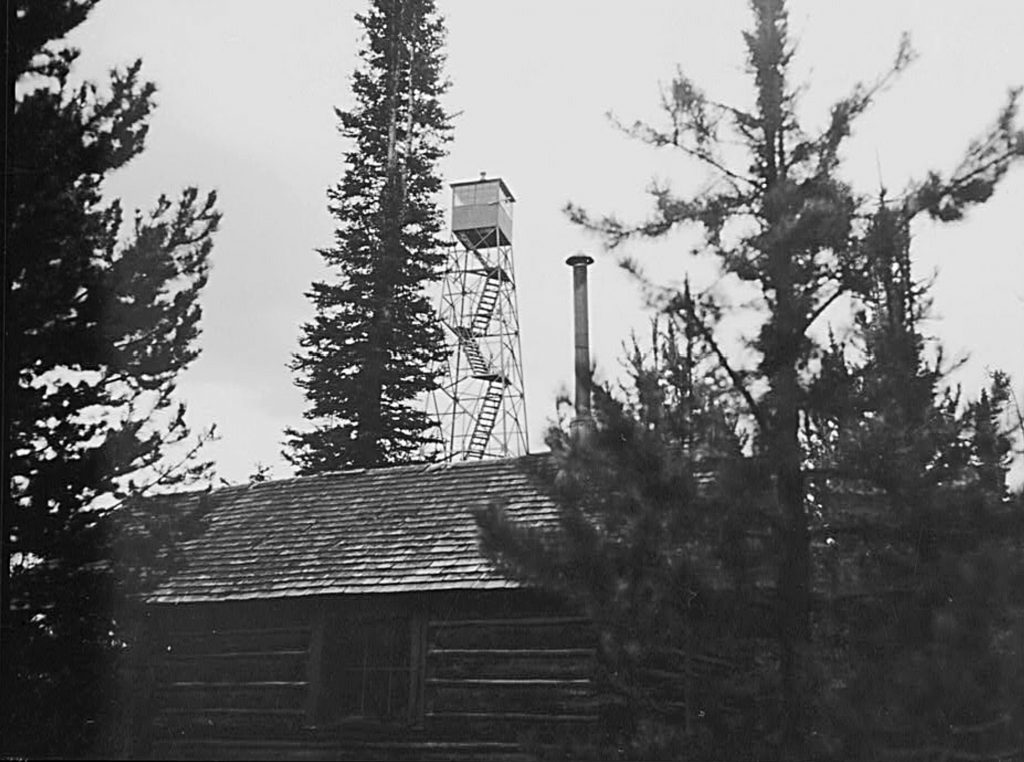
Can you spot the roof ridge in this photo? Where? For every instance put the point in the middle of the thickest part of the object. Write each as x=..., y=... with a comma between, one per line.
x=424, y=467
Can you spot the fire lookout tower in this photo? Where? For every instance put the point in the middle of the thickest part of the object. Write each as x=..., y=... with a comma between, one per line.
x=480, y=404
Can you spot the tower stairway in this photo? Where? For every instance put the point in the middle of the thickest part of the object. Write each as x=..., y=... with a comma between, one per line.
x=486, y=416
x=479, y=366
x=485, y=307
x=490, y=404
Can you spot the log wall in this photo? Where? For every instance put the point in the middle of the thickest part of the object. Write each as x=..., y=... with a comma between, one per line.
x=510, y=679
x=501, y=674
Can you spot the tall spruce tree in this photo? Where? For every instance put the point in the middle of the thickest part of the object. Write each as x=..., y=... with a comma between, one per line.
x=778, y=217
x=374, y=344
x=98, y=322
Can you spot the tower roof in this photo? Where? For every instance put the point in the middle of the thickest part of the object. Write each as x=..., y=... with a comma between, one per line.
x=485, y=181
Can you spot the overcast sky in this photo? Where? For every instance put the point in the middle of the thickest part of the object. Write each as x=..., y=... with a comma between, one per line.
x=246, y=91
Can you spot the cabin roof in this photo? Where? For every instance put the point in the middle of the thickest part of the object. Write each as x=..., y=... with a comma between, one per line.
x=389, y=530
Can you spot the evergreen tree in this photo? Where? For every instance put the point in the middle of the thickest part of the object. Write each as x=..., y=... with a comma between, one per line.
x=374, y=344
x=98, y=322
x=778, y=217
x=659, y=512
x=922, y=534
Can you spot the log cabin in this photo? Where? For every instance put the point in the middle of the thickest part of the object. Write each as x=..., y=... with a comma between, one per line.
x=351, y=615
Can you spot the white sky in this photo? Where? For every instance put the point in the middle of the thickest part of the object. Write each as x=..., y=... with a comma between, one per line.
x=246, y=91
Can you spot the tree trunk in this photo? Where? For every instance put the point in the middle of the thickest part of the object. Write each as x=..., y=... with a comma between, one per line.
x=794, y=567
x=794, y=603
x=369, y=432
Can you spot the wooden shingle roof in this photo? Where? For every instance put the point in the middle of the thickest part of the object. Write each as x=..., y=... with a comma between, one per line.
x=389, y=530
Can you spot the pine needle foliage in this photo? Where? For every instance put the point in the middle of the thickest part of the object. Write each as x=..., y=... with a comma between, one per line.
x=374, y=344
x=925, y=540
x=779, y=218
x=100, y=317
x=659, y=512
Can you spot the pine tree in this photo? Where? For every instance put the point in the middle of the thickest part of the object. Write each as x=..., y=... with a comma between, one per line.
x=374, y=344
x=657, y=515
x=98, y=323
x=778, y=217
x=930, y=548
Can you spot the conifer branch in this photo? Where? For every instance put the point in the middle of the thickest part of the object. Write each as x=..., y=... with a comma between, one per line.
x=824, y=305
x=647, y=134
x=737, y=379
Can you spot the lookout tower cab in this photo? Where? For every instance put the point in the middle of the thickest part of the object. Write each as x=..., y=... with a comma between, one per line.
x=482, y=213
